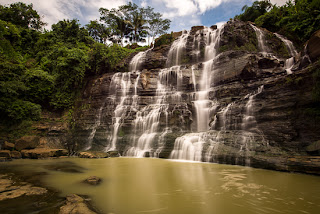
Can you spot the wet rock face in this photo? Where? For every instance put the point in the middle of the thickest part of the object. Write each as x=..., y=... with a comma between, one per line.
x=313, y=46
x=276, y=124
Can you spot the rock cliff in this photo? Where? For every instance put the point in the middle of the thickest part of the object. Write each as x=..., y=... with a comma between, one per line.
x=249, y=109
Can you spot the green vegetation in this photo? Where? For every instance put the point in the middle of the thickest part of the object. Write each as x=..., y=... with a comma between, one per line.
x=297, y=20
x=46, y=70
x=133, y=23
x=165, y=39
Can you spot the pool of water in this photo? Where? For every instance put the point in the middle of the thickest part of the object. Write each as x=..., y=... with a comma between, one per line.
x=145, y=185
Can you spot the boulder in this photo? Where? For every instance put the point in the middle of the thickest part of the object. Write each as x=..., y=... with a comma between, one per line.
x=86, y=155
x=15, y=154
x=93, y=154
x=93, y=180
x=113, y=154
x=313, y=46
x=314, y=148
x=39, y=153
x=7, y=146
x=266, y=63
x=27, y=142
x=75, y=205
x=5, y=154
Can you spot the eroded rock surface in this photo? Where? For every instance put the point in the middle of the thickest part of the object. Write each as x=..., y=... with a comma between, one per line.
x=10, y=190
x=75, y=205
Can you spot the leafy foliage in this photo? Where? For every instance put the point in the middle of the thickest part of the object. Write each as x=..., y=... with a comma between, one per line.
x=21, y=15
x=133, y=23
x=46, y=70
x=257, y=9
x=296, y=20
x=165, y=39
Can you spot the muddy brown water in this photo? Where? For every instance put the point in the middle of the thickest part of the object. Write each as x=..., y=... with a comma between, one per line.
x=156, y=186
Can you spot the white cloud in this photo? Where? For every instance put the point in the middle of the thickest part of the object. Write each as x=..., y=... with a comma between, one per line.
x=56, y=10
x=279, y=2
x=144, y=3
x=187, y=7
x=204, y=5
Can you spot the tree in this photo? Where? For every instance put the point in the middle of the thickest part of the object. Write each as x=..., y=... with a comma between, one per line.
x=22, y=15
x=157, y=25
x=98, y=31
x=70, y=31
x=257, y=9
x=134, y=23
x=116, y=21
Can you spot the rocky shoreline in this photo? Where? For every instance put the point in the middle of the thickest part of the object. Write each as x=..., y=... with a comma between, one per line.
x=24, y=192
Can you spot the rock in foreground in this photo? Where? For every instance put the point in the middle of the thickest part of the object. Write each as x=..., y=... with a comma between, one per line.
x=75, y=205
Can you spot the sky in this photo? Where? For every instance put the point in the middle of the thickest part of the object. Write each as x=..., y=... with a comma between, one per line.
x=183, y=13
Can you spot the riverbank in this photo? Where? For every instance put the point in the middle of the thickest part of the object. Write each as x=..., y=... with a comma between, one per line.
x=299, y=164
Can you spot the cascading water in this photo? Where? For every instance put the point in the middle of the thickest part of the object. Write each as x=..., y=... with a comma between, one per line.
x=150, y=117
x=261, y=40
x=122, y=82
x=248, y=121
x=189, y=146
x=249, y=126
x=203, y=104
x=147, y=122
x=176, y=50
x=94, y=130
x=293, y=53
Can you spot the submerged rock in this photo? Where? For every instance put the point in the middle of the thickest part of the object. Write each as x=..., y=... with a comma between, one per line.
x=93, y=180
x=65, y=166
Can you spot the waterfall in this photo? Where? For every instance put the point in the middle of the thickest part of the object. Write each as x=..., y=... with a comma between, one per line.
x=190, y=146
x=176, y=50
x=94, y=130
x=248, y=120
x=202, y=103
x=293, y=53
x=147, y=122
x=261, y=40
x=291, y=49
x=249, y=126
x=174, y=95
x=122, y=82
x=128, y=98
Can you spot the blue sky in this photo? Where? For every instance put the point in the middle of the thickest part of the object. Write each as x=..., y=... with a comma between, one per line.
x=183, y=13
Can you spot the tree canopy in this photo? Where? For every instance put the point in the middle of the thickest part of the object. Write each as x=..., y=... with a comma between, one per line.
x=133, y=23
